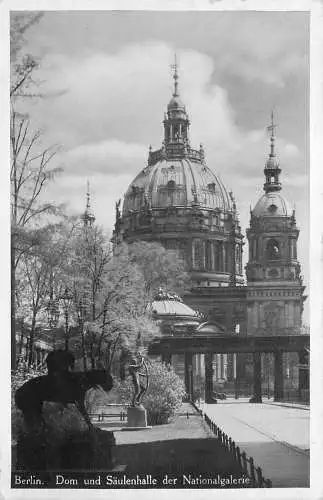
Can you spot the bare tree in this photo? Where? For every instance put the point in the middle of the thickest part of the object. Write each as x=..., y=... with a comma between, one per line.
x=30, y=174
x=30, y=169
x=22, y=64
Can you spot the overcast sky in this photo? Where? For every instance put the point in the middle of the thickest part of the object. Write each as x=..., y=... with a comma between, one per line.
x=113, y=71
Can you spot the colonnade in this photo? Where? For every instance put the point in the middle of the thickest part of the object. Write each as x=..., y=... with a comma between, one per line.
x=303, y=378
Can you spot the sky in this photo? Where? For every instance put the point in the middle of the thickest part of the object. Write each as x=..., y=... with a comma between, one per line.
x=108, y=80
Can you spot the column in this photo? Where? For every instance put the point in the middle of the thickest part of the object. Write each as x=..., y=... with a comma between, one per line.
x=208, y=358
x=212, y=255
x=235, y=375
x=256, y=398
x=218, y=366
x=303, y=377
x=223, y=257
x=222, y=365
x=189, y=374
x=230, y=376
x=279, y=377
x=167, y=357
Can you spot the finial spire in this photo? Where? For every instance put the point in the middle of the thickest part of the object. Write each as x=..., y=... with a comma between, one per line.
x=175, y=76
x=271, y=128
x=272, y=169
x=88, y=216
x=87, y=195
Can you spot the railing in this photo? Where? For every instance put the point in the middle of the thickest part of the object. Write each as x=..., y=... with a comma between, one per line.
x=100, y=417
x=101, y=414
x=246, y=463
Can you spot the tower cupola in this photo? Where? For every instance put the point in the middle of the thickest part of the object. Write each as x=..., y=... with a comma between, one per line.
x=272, y=169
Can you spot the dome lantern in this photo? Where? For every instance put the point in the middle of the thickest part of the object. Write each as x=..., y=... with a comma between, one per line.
x=176, y=122
x=272, y=169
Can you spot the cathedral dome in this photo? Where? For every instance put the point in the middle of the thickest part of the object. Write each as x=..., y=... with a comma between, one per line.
x=178, y=182
x=177, y=200
x=272, y=204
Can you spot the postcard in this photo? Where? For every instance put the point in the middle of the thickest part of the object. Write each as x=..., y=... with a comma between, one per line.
x=165, y=249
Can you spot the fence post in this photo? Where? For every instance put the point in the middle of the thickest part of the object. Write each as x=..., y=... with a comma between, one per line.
x=252, y=471
x=239, y=457
x=244, y=462
x=260, y=477
x=234, y=450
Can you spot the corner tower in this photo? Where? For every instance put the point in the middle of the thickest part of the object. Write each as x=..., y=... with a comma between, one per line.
x=275, y=290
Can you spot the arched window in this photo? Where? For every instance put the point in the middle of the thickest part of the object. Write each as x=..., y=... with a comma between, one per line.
x=198, y=254
x=273, y=251
x=272, y=208
x=171, y=185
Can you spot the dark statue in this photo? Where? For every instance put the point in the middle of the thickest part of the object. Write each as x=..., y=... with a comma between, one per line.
x=138, y=371
x=38, y=447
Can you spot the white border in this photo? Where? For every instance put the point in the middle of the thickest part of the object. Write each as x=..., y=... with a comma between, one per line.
x=316, y=237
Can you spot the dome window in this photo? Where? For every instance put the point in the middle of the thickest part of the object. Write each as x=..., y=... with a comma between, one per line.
x=272, y=208
x=171, y=185
x=211, y=187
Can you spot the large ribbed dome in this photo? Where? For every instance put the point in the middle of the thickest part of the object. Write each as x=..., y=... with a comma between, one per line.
x=179, y=202
x=177, y=182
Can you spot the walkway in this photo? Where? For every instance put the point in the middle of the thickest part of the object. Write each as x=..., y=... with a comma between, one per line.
x=277, y=437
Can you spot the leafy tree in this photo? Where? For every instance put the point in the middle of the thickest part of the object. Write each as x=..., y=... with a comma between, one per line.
x=160, y=267
x=39, y=271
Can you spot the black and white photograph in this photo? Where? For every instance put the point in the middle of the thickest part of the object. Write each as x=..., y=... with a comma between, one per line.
x=159, y=298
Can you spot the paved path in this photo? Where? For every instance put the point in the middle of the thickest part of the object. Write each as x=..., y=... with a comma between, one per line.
x=277, y=437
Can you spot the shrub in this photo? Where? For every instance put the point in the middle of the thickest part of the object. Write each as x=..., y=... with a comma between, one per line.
x=164, y=396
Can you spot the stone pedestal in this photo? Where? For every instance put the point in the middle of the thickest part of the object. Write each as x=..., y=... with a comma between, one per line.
x=137, y=417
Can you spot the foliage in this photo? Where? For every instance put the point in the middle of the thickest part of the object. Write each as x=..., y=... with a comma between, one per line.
x=22, y=63
x=164, y=396
x=161, y=268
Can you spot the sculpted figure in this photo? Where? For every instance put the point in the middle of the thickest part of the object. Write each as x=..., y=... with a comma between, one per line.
x=139, y=374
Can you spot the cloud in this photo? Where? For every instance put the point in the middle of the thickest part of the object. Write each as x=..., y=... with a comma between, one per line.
x=110, y=157
x=266, y=49
x=113, y=107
